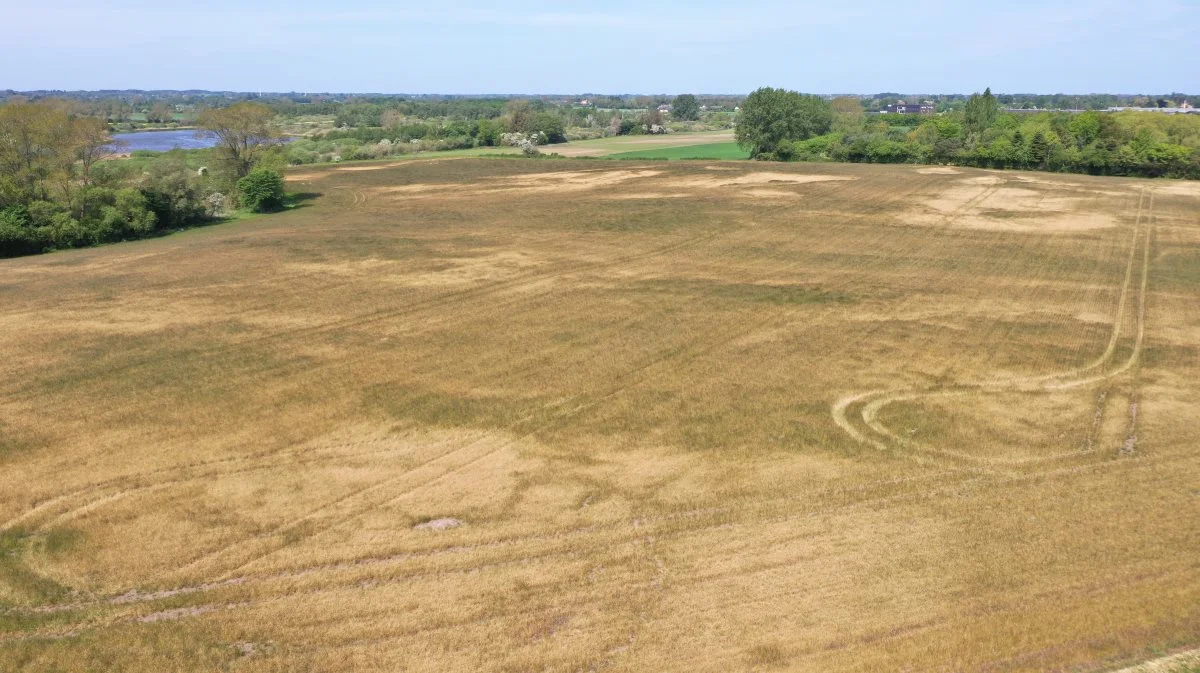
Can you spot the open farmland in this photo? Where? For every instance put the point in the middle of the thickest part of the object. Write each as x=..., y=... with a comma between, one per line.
x=618, y=144
x=721, y=151
x=493, y=414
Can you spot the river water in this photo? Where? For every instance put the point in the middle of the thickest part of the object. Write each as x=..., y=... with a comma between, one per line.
x=163, y=141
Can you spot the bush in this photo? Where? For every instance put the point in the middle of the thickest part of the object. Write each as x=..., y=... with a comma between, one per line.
x=173, y=193
x=16, y=233
x=261, y=191
x=487, y=132
x=550, y=126
x=128, y=216
x=64, y=231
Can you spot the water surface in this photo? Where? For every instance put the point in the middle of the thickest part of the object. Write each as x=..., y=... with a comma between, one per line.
x=163, y=141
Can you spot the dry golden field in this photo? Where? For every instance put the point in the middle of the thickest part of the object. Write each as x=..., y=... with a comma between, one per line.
x=687, y=417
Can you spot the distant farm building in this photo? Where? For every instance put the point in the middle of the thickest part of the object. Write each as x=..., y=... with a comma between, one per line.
x=902, y=108
x=1184, y=109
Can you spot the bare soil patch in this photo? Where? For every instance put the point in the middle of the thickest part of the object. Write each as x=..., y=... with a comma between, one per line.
x=981, y=203
x=532, y=183
x=634, y=196
x=445, y=523
x=755, y=178
x=1179, y=188
x=370, y=167
x=304, y=177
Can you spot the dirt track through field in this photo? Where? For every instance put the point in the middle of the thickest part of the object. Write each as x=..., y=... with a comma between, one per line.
x=873, y=402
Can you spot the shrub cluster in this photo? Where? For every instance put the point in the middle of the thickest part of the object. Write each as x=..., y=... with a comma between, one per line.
x=1145, y=144
x=59, y=189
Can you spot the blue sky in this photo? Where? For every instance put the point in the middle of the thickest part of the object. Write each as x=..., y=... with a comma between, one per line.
x=611, y=46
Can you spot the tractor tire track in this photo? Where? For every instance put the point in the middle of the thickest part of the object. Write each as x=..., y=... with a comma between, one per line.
x=875, y=400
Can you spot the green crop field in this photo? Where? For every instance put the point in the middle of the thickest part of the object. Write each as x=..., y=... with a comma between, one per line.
x=714, y=151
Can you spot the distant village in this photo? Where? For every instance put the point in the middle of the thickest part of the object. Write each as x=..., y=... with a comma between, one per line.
x=928, y=107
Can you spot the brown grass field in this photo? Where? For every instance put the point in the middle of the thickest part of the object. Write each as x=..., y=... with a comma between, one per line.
x=688, y=417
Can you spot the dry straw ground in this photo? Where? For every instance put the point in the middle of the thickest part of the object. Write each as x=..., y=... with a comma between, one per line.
x=566, y=415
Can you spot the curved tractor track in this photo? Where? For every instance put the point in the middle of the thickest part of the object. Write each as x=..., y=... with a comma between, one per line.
x=859, y=414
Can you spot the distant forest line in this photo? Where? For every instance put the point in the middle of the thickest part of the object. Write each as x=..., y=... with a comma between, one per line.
x=326, y=103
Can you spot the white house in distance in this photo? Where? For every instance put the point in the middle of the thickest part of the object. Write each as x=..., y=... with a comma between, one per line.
x=1185, y=108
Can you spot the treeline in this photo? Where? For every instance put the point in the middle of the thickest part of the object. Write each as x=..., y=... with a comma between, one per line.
x=372, y=131
x=57, y=191
x=1030, y=101
x=787, y=126
x=377, y=130
x=378, y=114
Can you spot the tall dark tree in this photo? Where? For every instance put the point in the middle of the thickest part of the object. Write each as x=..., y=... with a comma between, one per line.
x=770, y=116
x=981, y=112
x=1039, y=149
x=685, y=107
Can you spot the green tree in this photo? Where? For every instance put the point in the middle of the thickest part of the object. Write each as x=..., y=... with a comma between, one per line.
x=244, y=132
x=520, y=115
x=261, y=190
x=550, y=125
x=770, y=116
x=1039, y=149
x=1085, y=128
x=16, y=232
x=981, y=112
x=1020, y=152
x=160, y=113
x=651, y=118
x=488, y=132
x=173, y=191
x=685, y=107
x=91, y=142
x=36, y=151
x=848, y=115
x=129, y=216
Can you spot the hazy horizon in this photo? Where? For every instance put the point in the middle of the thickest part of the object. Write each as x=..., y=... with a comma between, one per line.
x=559, y=94
x=925, y=46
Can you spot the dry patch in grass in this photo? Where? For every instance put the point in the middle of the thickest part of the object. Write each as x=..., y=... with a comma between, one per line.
x=1184, y=662
x=633, y=196
x=532, y=183
x=368, y=167
x=304, y=177
x=1178, y=188
x=571, y=181
x=769, y=194
x=985, y=202
x=939, y=170
x=752, y=178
